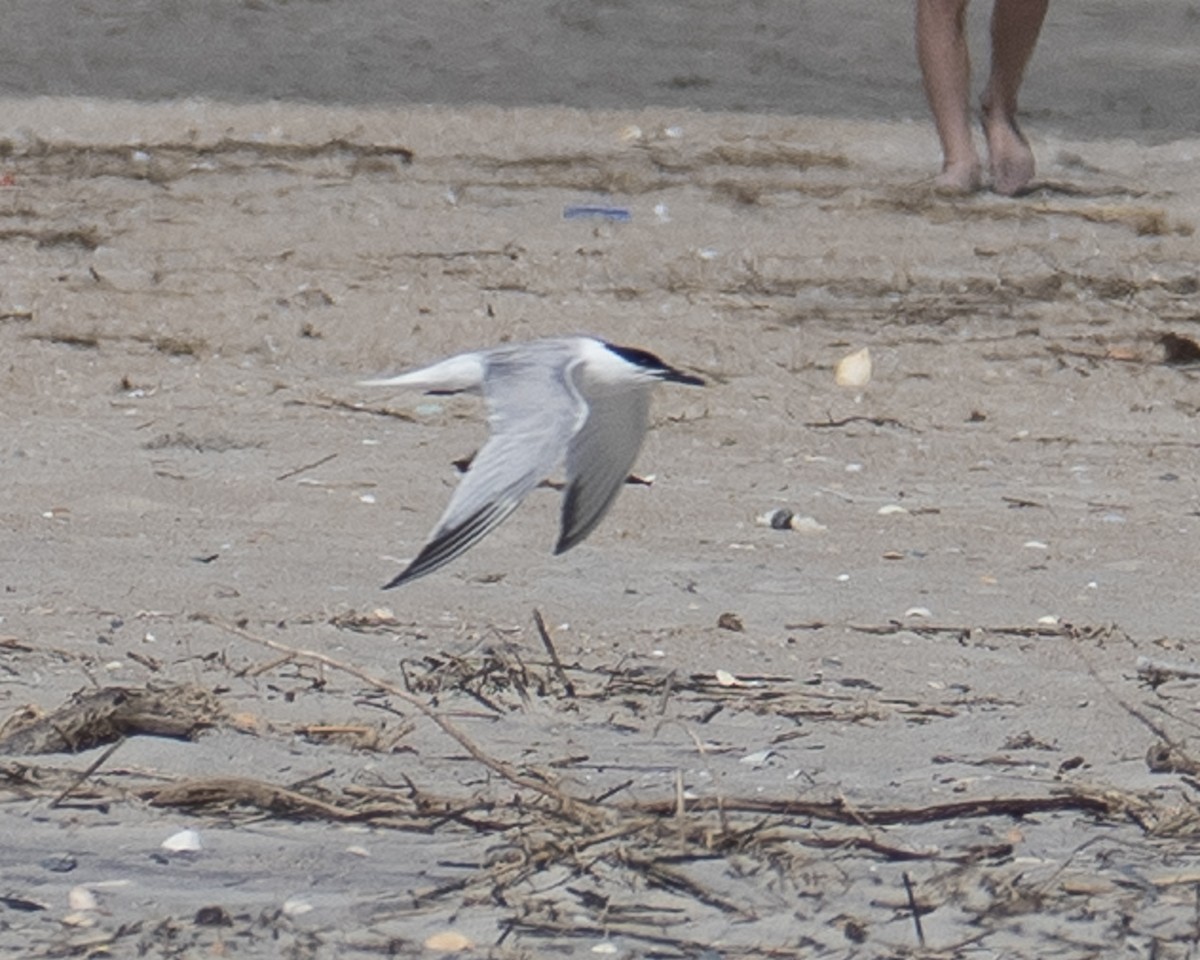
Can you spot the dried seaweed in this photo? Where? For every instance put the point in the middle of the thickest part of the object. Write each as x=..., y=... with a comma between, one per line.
x=98, y=717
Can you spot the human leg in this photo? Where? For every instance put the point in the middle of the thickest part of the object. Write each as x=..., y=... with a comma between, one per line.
x=945, y=61
x=1015, y=28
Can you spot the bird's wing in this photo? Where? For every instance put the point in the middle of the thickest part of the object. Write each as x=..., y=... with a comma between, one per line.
x=533, y=412
x=599, y=458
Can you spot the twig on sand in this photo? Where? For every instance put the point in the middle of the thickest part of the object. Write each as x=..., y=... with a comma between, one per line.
x=549, y=645
x=91, y=768
x=308, y=466
x=912, y=907
x=846, y=421
x=1071, y=797
x=658, y=873
x=333, y=403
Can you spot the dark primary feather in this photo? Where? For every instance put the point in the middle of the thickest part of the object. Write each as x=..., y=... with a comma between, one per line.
x=448, y=544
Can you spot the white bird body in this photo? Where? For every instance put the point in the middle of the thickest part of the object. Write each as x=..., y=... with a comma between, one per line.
x=574, y=399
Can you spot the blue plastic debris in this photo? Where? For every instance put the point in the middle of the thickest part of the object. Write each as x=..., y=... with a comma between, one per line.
x=597, y=212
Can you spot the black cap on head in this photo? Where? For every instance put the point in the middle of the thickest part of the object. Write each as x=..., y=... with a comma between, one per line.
x=653, y=364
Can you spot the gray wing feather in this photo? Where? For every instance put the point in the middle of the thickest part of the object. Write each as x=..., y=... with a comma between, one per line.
x=533, y=412
x=599, y=458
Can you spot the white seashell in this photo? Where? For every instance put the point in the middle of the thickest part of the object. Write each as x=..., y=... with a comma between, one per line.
x=758, y=758
x=891, y=508
x=81, y=898
x=1048, y=621
x=1035, y=545
x=295, y=907
x=923, y=612
x=607, y=947
x=854, y=369
x=185, y=841
x=806, y=525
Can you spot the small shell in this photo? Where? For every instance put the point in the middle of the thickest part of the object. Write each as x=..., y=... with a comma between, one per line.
x=891, y=508
x=81, y=898
x=448, y=941
x=778, y=519
x=854, y=369
x=783, y=519
x=185, y=841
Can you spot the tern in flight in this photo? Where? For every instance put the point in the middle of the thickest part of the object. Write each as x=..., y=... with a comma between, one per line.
x=574, y=400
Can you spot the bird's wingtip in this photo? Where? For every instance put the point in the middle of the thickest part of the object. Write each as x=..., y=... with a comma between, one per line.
x=565, y=542
x=408, y=573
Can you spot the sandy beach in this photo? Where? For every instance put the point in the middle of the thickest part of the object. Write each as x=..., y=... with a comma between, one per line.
x=946, y=714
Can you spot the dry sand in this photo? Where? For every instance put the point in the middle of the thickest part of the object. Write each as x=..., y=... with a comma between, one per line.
x=773, y=726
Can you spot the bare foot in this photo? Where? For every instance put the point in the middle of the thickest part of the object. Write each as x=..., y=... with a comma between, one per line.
x=1009, y=155
x=959, y=178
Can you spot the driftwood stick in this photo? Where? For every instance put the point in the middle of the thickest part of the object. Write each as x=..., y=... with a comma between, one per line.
x=91, y=768
x=549, y=645
x=912, y=906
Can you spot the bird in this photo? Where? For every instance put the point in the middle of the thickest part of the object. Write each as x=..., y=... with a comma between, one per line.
x=577, y=400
